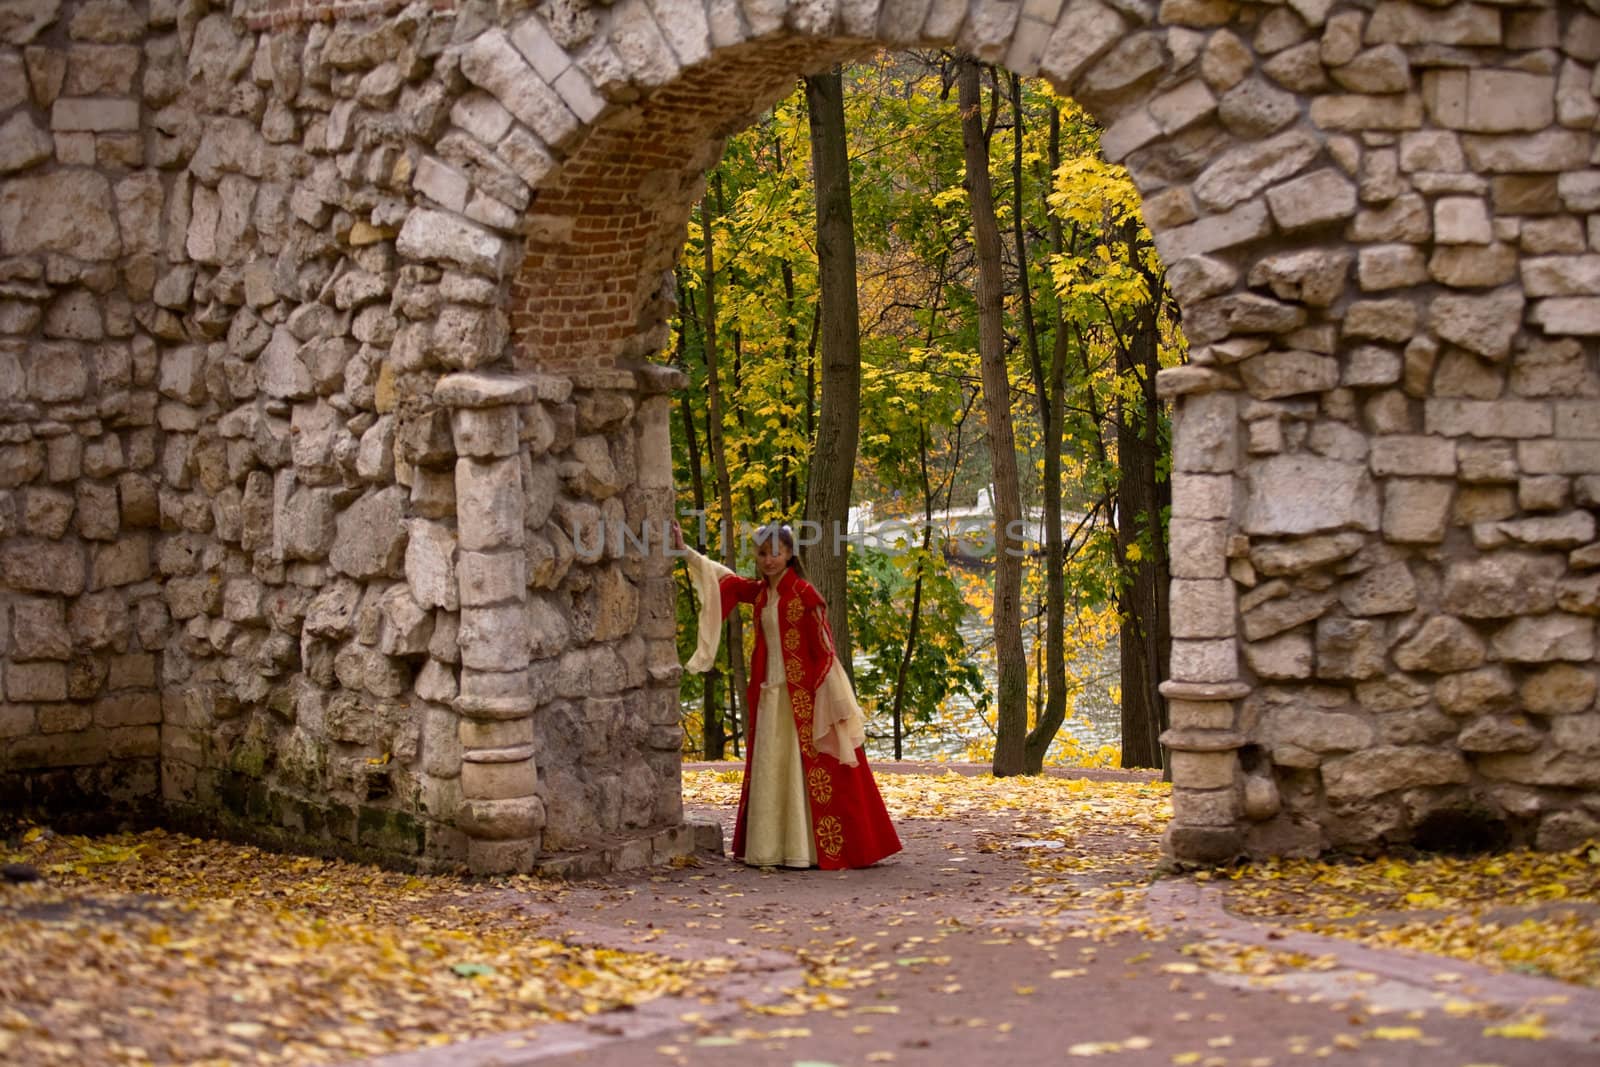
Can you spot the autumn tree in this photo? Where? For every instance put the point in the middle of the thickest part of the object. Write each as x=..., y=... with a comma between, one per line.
x=833, y=455
x=1012, y=695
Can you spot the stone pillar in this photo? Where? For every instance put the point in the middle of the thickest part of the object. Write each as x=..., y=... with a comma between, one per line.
x=500, y=809
x=658, y=610
x=1204, y=678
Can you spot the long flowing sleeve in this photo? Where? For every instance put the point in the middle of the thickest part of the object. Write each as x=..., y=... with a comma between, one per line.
x=838, y=727
x=717, y=590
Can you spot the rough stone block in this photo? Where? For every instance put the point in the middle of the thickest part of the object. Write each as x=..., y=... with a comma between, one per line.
x=497, y=781
x=1383, y=769
x=370, y=539
x=1502, y=584
x=1416, y=510
x=1461, y=220
x=502, y=857
x=492, y=63
x=1202, y=608
x=1277, y=374
x=1087, y=30
x=1349, y=649
x=1390, y=266
x=1303, y=494
x=430, y=235
x=493, y=638
x=1245, y=172
x=492, y=577
x=1451, y=417
x=488, y=432
x=1443, y=644
x=1473, y=266
x=1205, y=438
x=37, y=681
x=1205, y=661
x=1284, y=658
x=1559, y=689
x=1491, y=101
x=1384, y=590
x=1198, y=549
x=42, y=567
x=1212, y=233
x=1481, y=323
x=1381, y=320
x=489, y=503
x=1356, y=111
x=1202, y=496
x=1542, y=638
x=1546, y=152
x=94, y=114
x=1321, y=197
x=1570, y=315
x=1203, y=770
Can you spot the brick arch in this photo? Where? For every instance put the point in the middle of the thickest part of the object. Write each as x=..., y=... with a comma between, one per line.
x=609, y=221
x=609, y=217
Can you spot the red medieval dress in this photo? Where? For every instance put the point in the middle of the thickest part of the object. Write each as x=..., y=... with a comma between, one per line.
x=809, y=798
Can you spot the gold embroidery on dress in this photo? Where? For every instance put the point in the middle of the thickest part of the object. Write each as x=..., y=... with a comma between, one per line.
x=821, y=784
x=791, y=640
x=794, y=610
x=801, y=701
x=793, y=669
x=830, y=835
x=808, y=747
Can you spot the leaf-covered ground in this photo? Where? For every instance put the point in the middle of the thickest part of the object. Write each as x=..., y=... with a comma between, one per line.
x=163, y=947
x=1520, y=911
x=160, y=947
x=1529, y=912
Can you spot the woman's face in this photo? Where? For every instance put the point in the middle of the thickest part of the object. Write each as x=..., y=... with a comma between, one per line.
x=772, y=556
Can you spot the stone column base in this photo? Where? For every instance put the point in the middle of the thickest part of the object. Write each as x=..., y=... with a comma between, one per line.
x=648, y=849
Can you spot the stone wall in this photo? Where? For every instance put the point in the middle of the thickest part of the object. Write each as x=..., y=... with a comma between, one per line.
x=1386, y=492
x=86, y=402
x=331, y=439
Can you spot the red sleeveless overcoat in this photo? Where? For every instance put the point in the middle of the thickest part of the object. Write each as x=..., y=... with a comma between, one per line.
x=849, y=822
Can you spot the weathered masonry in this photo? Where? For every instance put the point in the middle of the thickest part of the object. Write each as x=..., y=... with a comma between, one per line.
x=325, y=342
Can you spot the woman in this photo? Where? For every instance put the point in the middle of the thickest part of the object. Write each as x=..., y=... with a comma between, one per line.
x=809, y=799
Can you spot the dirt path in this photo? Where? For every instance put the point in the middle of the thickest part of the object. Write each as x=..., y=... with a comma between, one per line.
x=960, y=951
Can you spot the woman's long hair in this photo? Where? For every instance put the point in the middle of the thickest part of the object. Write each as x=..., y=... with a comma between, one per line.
x=785, y=537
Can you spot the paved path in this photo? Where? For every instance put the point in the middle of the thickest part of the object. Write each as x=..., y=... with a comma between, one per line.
x=942, y=955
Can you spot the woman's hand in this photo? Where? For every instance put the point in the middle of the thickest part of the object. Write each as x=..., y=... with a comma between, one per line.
x=677, y=536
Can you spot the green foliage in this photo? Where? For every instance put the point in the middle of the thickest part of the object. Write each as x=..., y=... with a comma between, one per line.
x=941, y=669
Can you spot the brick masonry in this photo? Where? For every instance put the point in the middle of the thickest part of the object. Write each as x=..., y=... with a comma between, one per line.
x=325, y=333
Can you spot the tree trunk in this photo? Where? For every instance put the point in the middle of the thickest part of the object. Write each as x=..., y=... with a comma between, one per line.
x=833, y=457
x=898, y=717
x=719, y=457
x=914, y=629
x=1011, y=662
x=1050, y=388
x=789, y=482
x=1146, y=636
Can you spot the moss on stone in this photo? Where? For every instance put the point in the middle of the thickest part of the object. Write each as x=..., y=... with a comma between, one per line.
x=390, y=831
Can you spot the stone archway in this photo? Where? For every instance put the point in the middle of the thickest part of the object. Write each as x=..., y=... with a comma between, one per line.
x=371, y=348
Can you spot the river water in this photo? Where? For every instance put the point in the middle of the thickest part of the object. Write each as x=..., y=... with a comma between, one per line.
x=1096, y=719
